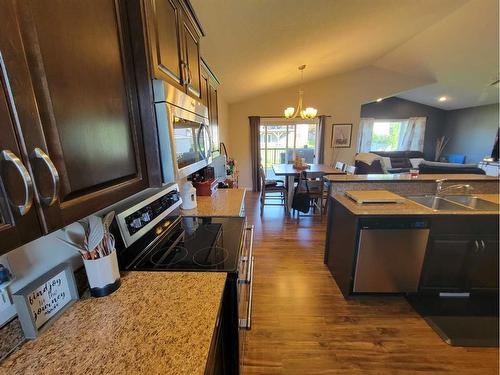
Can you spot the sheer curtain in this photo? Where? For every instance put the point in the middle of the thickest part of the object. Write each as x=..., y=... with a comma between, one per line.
x=412, y=133
x=365, y=134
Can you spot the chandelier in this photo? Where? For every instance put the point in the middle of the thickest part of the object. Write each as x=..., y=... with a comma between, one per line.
x=305, y=113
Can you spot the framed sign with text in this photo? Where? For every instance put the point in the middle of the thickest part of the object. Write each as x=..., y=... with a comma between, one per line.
x=40, y=302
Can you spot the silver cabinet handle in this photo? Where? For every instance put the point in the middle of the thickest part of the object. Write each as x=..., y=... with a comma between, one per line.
x=476, y=246
x=40, y=154
x=9, y=156
x=247, y=322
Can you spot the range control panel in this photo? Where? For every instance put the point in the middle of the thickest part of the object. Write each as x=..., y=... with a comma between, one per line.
x=145, y=215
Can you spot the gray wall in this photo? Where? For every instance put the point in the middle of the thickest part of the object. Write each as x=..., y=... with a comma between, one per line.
x=472, y=131
x=396, y=108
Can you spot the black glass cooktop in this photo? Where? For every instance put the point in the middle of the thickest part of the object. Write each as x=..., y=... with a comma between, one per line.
x=189, y=244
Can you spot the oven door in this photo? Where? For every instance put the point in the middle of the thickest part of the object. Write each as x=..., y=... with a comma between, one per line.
x=185, y=141
x=245, y=288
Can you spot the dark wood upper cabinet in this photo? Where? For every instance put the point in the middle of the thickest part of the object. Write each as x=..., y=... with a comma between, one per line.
x=72, y=78
x=209, y=96
x=192, y=57
x=164, y=18
x=173, y=34
x=18, y=218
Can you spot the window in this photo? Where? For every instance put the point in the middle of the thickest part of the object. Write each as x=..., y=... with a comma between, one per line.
x=385, y=135
x=278, y=142
x=391, y=134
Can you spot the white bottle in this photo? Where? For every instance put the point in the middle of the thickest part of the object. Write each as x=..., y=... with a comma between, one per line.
x=188, y=195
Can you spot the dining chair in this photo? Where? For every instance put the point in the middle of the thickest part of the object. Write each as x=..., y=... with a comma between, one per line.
x=350, y=169
x=271, y=190
x=312, y=182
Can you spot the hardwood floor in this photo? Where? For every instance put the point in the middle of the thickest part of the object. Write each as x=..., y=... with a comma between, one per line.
x=302, y=325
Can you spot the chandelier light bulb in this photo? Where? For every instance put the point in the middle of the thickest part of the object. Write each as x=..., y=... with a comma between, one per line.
x=289, y=112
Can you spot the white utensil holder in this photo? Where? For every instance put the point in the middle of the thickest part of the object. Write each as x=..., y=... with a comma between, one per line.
x=103, y=275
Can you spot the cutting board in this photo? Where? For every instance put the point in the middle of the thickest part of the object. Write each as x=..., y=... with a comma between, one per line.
x=374, y=196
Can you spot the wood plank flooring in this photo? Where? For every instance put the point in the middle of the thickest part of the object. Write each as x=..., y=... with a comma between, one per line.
x=302, y=325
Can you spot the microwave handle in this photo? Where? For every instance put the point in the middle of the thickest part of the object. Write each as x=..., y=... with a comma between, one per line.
x=209, y=140
x=208, y=143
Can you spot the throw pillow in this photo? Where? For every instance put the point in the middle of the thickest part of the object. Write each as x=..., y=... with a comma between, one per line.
x=415, y=162
x=386, y=164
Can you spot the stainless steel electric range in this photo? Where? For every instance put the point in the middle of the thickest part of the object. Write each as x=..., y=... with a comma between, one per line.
x=150, y=237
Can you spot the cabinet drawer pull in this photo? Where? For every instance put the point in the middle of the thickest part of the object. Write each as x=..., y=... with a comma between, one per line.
x=9, y=156
x=49, y=201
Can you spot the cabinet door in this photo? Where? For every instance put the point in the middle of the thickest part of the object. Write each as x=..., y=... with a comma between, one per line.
x=78, y=63
x=18, y=219
x=204, y=90
x=444, y=265
x=164, y=19
x=192, y=58
x=483, y=265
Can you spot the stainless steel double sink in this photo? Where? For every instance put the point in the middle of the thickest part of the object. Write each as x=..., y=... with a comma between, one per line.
x=455, y=203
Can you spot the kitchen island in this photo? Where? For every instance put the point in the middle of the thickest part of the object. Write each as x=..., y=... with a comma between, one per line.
x=458, y=250
x=157, y=322
x=405, y=184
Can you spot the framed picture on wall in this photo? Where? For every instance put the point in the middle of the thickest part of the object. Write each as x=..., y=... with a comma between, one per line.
x=341, y=136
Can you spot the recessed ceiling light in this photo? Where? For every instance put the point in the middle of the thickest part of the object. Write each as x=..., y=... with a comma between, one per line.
x=443, y=99
x=379, y=100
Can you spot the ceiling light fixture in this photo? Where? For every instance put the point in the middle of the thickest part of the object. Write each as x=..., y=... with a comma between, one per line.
x=305, y=113
x=379, y=100
x=443, y=99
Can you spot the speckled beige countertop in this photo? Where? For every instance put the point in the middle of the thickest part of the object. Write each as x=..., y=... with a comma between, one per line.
x=407, y=207
x=224, y=202
x=406, y=177
x=156, y=323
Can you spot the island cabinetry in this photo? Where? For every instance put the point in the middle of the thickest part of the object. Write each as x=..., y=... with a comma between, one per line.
x=462, y=255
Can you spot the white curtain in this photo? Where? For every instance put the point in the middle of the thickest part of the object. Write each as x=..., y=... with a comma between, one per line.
x=365, y=134
x=411, y=136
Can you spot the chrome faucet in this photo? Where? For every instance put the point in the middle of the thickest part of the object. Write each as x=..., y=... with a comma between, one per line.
x=440, y=189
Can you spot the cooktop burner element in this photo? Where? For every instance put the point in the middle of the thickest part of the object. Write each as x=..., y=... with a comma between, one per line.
x=210, y=256
x=175, y=255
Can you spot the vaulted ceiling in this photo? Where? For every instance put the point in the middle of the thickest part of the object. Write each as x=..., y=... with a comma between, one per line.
x=255, y=46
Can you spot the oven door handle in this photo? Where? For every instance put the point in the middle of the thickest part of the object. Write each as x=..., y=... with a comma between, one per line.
x=248, y=258
x=247, y=322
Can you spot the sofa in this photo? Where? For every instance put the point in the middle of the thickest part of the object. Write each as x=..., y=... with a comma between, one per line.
x=400, y=162
x=432, y=167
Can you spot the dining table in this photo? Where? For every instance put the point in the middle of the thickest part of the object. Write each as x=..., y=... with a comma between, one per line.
x=290, y=172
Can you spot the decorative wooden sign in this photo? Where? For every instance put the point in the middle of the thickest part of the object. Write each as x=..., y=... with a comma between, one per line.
x=40, y=302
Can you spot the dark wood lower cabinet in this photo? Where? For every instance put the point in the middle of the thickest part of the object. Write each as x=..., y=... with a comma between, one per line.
x=224, y=352
x=461, y=259
x=444, y=264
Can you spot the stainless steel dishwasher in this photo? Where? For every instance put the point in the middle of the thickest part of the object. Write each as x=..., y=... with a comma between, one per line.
x=390, y=255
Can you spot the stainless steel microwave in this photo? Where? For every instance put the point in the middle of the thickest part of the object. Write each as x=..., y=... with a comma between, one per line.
x=183, y=131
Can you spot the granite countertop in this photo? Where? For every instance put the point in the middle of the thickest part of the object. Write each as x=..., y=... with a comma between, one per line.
x=406, y=177
x=223, y=202
x=407, y=207
x=156, y=323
